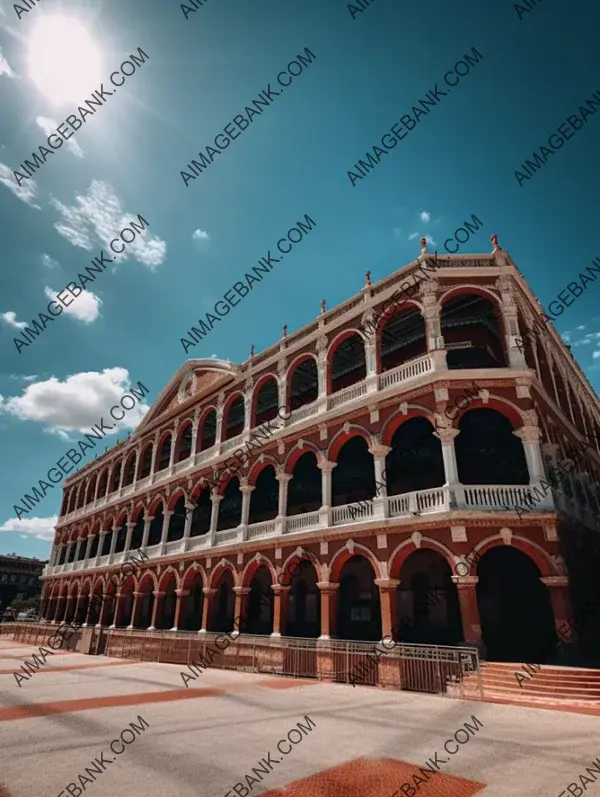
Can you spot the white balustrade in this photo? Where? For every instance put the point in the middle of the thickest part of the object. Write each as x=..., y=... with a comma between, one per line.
x=197, y=543
x=228, y=445
x=302, y=412
x=351, y=513
x=228, y=535
x=347, y=394
x=309, y=520
x=265, y=529
x=405, y=372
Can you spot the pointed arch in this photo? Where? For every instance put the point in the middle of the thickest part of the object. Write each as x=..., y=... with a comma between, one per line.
x=341, y=437
x=220, y=568
x=346, y=553
x=257, y=561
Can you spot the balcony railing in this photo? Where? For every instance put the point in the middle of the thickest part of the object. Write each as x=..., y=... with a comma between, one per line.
x=491, y=497
x=405, y=372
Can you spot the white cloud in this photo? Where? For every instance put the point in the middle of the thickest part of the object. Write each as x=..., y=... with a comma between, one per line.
x=10, y=318
x=41, y=528
x=85, y=308
x=596, y=354
x=213, y=357
x=580, y=328
x=26, y=191
x=5, y=67
x=413, y=235
x=49, y=126
x=200, y=235
x=30, y=378
x=98, y=216
x=77, y=403
x=593, y=335
x=583, y=342
x=425, y=217
x=49, y=262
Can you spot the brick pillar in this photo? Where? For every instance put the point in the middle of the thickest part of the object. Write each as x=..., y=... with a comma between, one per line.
x=558, y=588
x=280, y=609
x=329, y=597
x=159, y=599
x=181, y=595
x=469, y=610
x=117, y=612
x=207, y=608
x=241, y=607
x=388, y=599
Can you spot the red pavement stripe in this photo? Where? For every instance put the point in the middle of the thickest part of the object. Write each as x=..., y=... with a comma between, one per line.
x=86, y=704
x=66, y=667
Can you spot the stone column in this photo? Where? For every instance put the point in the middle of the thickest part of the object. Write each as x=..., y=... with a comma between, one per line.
x=165, y=530
x=130, y=528
x=104, y=609
x=173, y=446
x=207, y=608
x=321, y=373
x=371, y=378
x=329, y=598
x=154, y=456
x=284, y=479
x=326, y=469
x=117, y=612
x=388, y=599
x=436, y=346
x=216, y=499
x=113, y=541
x=88, y=547
x=137, y=467
x=135, y=611
x=469, y=609
x=147, y=523
x=530, y=437
x=219, y=420
x=380, y=503
x=159, y=599
x=558, y=589
x=187, y=528
x=280, y=607
x=246, y=490
x=101, y=536
x=248, y=405
x=195, y=425
x=241, y=607
x=181, y=593
x=77, y=549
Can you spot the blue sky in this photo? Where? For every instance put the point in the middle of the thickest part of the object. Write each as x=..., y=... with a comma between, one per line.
x=293, y=160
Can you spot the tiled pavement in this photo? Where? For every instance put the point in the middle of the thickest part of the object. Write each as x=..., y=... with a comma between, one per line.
x=203, y=740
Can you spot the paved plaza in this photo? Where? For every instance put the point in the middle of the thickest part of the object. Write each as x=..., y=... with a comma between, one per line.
x=229, y=736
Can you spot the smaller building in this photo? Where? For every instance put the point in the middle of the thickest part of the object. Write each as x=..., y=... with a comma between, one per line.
x=19, y=575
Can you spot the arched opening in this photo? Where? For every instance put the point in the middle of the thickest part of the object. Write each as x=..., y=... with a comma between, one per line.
x=472, y=333
x=402, y=338
x=415, y=461
x=428, y=599
x=177, y=521
x=96, y=606
x=82, y=547
x=184, y=442
x=234, y=418
x=144, y=619
x=137, y=535
x=487, y=451
x=146, y=462
x=166, y=618
x=303, y=617
x=91, y=490
x=230, y=508
x=353, y=479
x=106, y=542
x=115, y=477
x=259, y=618
x=82, y=607
x=130, y=466
x=80, y=496
x=303, y=384
x=156, y=526
x=304, y=488
x=94, y=546
x=267, y=402
x=207, y=434
x=164, y=454
x=264, y=499
x=201, y=515
x=359, y=613
x=517, y=623
x=348, y=363
x=224, y=604
x=125, y=603
x=192, y=616
x=121, y=537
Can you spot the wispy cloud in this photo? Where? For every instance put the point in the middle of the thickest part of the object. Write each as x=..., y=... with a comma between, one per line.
x=97, y=217
x=26, y=192
x=49, y=126
x=200, y=235
x=413, y=235
x=425, y=217
x=10, y=318
x=41, y=528
x=5, y=67
x=49, y=262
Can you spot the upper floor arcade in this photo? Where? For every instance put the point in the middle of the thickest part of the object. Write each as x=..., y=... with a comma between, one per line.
x=462, y=315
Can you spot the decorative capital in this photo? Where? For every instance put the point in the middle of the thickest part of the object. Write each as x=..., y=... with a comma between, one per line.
x=326, y=466
x=529, y=434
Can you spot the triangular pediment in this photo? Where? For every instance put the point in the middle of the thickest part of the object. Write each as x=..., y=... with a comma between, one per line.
x=196, y=379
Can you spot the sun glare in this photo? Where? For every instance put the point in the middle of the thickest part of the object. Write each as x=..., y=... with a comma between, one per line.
x=64, y=62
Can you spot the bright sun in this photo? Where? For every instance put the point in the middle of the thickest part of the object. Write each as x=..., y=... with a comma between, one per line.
x=64, y=62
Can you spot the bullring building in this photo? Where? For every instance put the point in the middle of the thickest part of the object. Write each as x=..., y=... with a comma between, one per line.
x=394, y=434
